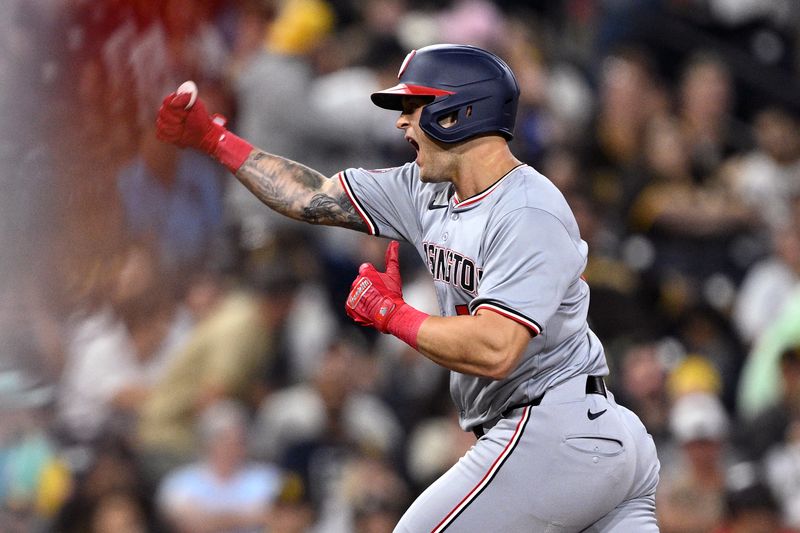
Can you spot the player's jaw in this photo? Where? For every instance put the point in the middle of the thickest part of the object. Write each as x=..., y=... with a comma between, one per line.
x=435, y=161
x=431, y=156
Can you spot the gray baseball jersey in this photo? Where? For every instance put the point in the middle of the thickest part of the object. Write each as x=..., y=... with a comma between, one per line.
x=577, y=461
x=514, y=249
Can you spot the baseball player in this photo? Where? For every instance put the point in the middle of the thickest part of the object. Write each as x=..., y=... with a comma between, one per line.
x=554, y=453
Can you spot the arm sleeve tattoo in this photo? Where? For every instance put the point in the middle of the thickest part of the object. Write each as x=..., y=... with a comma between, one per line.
x=299, y=192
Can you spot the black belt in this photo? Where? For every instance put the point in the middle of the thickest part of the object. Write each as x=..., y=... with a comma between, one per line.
x=594, y=385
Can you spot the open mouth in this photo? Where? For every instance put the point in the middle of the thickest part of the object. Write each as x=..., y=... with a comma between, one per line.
x=413, y=143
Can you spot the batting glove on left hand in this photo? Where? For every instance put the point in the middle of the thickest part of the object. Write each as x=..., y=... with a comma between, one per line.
x=376, y=300
x=189, y=125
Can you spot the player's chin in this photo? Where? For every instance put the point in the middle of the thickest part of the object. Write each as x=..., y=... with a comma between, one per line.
x=424, y=177
x=427, y=175
x=424, y=172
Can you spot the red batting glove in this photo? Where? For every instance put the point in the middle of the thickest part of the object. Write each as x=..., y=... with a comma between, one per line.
x=376, y=300
x=195, y=128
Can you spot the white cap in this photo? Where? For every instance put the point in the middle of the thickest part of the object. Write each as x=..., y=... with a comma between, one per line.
x=698, y=416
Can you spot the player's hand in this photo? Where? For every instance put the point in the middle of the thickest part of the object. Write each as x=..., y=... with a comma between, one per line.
x=192, y=127
x=376, y=296
x=376, y=300
x=186, y=123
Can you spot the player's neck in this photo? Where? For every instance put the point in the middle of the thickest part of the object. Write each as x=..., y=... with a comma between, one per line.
x=484, y=161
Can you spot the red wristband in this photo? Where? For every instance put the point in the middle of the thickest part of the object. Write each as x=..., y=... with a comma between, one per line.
x=405, y=324
x=232, y=151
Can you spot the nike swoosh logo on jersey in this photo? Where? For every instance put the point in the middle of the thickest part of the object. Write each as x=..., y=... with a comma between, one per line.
x=592, y=415
x=432, y=205
x=441, y=199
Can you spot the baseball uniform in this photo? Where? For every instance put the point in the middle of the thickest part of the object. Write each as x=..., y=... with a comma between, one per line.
x=555, y=452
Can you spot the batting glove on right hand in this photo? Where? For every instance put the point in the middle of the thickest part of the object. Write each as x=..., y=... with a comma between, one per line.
x=192, y=127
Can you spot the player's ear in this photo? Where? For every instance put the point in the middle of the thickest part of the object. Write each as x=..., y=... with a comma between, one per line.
x=449, y=120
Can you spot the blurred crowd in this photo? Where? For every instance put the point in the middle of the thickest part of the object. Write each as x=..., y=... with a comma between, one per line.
x=175, y=357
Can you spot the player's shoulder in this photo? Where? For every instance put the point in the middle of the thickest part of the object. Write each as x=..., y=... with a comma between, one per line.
x=532, y=205
x=407, y=170
x=532, y=199
x=400, y=178
x=528, y=188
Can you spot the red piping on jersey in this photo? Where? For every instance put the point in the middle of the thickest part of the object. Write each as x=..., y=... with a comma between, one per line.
x=355, y=203
x=481, y=195
x=512, y=442
x=513, y=317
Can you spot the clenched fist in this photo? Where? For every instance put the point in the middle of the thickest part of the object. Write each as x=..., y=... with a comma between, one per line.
x=195, y=128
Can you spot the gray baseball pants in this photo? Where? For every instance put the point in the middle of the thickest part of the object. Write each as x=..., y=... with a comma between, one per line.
x=556, y=467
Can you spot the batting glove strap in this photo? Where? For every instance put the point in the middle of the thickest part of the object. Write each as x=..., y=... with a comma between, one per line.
x=405, y=323
x=231, y=150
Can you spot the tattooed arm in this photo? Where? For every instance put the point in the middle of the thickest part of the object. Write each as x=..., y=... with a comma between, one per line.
x=297, y=191
x=287, y=187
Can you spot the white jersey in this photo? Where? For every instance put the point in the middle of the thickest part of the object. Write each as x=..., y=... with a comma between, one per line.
x=514, y=249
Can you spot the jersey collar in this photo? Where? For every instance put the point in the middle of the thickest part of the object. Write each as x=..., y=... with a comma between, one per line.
x=475, y=199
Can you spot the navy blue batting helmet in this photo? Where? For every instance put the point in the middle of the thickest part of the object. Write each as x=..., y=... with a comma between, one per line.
x=474, y=84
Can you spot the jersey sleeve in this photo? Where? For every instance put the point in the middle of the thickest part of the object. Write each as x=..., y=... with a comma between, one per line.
x=531, y=260
x=385, y=200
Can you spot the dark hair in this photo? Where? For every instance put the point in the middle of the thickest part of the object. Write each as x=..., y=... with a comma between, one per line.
x=272, y=278
x=791, y=354
x=757, y=496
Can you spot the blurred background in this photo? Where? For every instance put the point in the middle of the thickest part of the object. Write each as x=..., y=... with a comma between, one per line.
x=175, y=357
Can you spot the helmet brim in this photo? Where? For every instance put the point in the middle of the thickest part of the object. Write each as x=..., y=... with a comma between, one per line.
x=392, y=98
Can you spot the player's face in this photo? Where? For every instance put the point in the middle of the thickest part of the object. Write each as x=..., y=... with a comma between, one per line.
x=435, y=161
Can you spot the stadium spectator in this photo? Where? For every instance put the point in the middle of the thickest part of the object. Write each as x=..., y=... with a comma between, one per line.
x=642, y=113
x=768, y=177
x=292, y=511
x=706, y=99
x=434, y=445
x=689, y=222
x=628, y=97
x=767, y=285
x=34, y=481
x=115, y=355
x=327, y=408
x=119, y=513
x=770, y=428
x=642, y=385
x=107, y=468
x=225, y=355
x=751, y=508
x=174, y=198
x=781, y=464
x=267, y=88
x=222, y=491
x=690, y=496
x=760, y=382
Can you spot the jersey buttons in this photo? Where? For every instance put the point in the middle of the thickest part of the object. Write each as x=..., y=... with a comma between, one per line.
x=454, y=216
x=444, y=236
